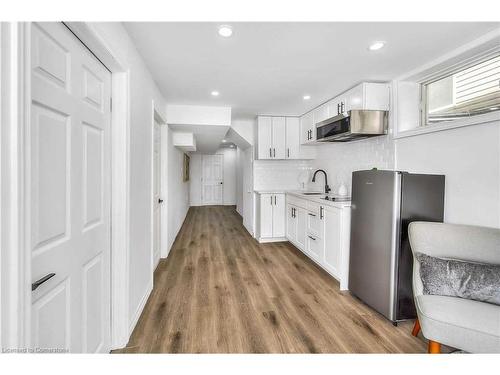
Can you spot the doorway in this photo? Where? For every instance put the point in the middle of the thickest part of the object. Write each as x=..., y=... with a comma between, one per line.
x=212, y=192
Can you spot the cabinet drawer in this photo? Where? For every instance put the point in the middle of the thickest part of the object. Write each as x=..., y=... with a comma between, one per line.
x=314, y=247
x=314, y=224
x=291, y=199
x=313, y=207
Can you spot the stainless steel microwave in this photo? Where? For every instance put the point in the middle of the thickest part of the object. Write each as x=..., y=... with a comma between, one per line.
x=352, y=125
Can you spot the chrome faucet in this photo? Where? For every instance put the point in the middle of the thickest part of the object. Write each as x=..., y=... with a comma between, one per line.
x=327, y=188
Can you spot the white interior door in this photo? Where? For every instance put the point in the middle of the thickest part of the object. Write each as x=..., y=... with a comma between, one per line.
x=68, y=193
x=157, y=200
x=213, y=179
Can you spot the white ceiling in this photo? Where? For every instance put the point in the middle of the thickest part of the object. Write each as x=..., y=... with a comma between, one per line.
x=266, y=68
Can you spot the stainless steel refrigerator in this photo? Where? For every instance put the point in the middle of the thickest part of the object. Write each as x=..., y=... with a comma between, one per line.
x=381, y=262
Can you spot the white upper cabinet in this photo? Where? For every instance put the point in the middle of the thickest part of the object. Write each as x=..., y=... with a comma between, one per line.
x=321, y=113
x=366, y=95
x=307, y=133
x=264, y=137
x=292, y=138
x=371, y=96
x=279, y=138
x=336, y=106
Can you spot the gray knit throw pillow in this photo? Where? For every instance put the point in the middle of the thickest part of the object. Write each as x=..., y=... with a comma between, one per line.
x=456, y=278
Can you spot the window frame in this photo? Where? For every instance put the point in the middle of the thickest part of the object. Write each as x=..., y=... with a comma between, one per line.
x=469, y=55
x=424, y=92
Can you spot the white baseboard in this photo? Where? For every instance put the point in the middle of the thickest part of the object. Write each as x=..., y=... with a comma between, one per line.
x=140, y=308
x=275, y=239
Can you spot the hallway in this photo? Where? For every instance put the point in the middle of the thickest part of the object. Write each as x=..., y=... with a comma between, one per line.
x=219, y=291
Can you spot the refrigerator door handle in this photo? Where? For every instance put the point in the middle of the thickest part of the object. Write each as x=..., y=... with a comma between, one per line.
x=396, y=238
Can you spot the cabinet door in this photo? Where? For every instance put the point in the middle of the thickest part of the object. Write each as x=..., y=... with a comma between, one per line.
x=306, y=128
x=279, y=213
x=292, y=138
x=301, y=228
x=332, y=243
x=279, y=137
x=337, y=106
x=264, y=137
x=266, y=215
x=355, y=98
x=291, y=223
x=321, y=113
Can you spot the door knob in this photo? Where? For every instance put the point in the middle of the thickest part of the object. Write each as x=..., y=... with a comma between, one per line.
x=221, y=183
x=160, y=200
x=39, y=282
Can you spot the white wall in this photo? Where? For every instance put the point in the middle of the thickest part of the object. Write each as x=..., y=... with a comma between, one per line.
x=245, y=128
x=195, y=180
x=470, y=159
x=247, y=187
x=177, y=191
x=239, y=180
x=143, y=92
x=229, y=190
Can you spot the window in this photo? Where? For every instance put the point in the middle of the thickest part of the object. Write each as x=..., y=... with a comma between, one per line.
x=469, y=92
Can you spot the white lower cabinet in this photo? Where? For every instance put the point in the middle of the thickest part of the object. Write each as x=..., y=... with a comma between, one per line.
x=296, y=225
x=322, y=232
x=333, y=239
x=271, y=215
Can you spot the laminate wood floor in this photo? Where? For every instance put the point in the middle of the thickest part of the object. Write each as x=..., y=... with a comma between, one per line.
x=220, y=291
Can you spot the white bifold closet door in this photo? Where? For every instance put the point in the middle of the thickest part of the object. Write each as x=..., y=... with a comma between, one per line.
x=68, y=191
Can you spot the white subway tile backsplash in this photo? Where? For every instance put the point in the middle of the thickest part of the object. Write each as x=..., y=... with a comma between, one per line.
x=339, y=160
x=281, y=174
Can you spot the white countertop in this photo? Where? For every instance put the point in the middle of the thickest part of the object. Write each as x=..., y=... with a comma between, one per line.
x=318, y=199
x=312, y=198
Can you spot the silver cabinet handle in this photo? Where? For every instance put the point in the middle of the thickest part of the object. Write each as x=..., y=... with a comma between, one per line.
x=310, y=214
x=271, y=200
x=39, y=282
x=275, y=200
x=312, y=238
x=270, y=153
x=274, y=152
x=288, y=152
x=321, y=212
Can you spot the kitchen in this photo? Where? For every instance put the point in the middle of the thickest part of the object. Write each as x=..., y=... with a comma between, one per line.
x=277, y=199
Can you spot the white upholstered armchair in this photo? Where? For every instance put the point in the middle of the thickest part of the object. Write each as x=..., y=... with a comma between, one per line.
x=465, y=324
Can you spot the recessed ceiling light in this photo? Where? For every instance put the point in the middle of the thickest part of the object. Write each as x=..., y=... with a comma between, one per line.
x=493, y=108
x=224, y=141
x=306, y=97
x=225, y=30
x=215, y=93
x=375, y=46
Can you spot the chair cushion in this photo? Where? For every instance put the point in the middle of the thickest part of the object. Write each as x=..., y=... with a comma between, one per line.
x=465, y=324
x=456, y=278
